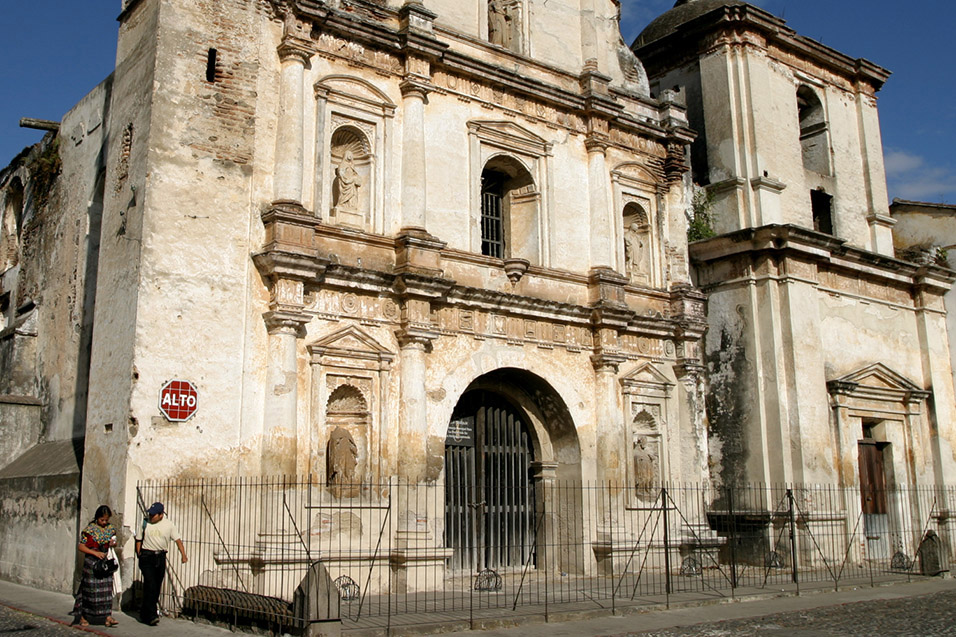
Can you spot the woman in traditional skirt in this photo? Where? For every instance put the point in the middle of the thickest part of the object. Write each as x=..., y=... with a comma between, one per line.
x=94, y=600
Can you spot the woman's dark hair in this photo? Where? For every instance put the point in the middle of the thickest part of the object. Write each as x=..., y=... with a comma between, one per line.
x=101, y=511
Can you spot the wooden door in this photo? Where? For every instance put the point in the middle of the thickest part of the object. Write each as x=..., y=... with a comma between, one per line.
x=872, y=477
x=489, y=493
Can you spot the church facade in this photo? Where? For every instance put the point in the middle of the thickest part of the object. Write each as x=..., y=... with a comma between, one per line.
x=377, y=238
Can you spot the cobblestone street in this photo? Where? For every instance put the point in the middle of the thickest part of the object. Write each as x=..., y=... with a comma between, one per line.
x=924, y=615
x=14, y=622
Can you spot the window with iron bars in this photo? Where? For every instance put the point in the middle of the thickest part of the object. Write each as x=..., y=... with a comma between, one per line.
x=492, y=216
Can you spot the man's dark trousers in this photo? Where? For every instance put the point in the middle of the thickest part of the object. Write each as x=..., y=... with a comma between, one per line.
x=152, y=564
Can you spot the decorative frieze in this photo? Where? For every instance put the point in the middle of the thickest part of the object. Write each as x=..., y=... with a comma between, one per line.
x=498, y=96
x=333, y=47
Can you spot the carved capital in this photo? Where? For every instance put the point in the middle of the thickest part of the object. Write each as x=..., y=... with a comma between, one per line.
x=416, y=339
x=278, y=264
x=689, y=372
x=608, y=362
x=597, y=143
x=285, y=322
x=295, y=49
x=415, y=87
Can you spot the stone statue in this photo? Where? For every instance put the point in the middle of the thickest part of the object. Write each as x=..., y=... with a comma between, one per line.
x=502, y=23
x=341, y=459
x=348, y=181
x=645, y=465
x=634, y=237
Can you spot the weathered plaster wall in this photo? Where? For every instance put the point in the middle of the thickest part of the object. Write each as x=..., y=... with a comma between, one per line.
x=801, y=352
x=927, y=232
x=742, y=100
x=110, y=424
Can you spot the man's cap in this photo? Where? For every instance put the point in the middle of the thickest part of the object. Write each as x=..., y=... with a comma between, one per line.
x=155, y=509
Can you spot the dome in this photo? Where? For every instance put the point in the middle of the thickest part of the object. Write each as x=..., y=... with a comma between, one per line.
x=683, y=12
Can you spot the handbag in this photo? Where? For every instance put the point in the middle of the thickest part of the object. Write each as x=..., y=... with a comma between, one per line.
x=104, y=567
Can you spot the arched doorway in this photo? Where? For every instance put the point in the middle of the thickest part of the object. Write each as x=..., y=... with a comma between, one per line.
x=489, y=489
x=510, y=441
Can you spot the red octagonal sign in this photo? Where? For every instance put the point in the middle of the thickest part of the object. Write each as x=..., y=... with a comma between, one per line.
x=178, y=400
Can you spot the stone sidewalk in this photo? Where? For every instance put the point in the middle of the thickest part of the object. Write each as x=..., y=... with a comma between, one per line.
x=56, y=606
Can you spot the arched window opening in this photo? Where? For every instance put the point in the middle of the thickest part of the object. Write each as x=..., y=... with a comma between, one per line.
x=352, y=166
x=814, y=141
x=12, y=225
x=509, y=210
x=637, y=243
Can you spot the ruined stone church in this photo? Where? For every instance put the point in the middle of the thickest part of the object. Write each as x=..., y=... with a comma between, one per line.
x=377, y=237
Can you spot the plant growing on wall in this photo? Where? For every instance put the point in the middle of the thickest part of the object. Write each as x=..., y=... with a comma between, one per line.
x=44, y=169
x=699, y=222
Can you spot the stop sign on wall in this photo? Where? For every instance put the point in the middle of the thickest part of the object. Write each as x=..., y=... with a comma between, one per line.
x=178, y=400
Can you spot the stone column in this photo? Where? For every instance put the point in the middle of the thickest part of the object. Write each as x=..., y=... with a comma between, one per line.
x=611, y=441
x=412, y=413
x=295, y=53
x=602, y=253
x=288, y=263
x=612, y=451
x=414, y=97
x=281, y=399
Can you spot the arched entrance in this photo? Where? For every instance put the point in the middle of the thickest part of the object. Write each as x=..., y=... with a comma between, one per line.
x=489, y=493
x=502, y=445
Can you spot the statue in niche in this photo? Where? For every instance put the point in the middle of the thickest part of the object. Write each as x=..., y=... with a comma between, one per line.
x=636, y=242
x=503, y=17
x=347, y=183
x=646, y=473
x=634, y=247
x=341, y=460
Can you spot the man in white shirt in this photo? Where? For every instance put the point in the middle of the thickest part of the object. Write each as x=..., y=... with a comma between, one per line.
x=152, y=543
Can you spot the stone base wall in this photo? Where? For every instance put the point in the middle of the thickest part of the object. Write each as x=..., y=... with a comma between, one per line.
x=38, y=531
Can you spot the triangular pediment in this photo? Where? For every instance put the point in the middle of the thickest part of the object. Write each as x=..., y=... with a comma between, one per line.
x=350, y=342
x=509, y=135
x=646, y=375
x=878, y=376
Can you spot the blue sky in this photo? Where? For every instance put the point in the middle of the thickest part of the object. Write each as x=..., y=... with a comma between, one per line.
x=54, y=51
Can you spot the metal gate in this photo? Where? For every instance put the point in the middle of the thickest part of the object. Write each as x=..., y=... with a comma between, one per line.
x=489, y=494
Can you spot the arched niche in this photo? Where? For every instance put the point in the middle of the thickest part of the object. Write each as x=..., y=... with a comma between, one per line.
x=638, y=233
x=353, y=169
x=352, y=116
x=637, y=242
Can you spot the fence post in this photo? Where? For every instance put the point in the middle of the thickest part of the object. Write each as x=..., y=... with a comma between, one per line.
x=667, y=547
x=733, y=538
x=610, y=515
x=793, y=541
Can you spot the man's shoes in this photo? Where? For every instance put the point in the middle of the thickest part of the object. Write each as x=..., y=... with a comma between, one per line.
x=154, y=621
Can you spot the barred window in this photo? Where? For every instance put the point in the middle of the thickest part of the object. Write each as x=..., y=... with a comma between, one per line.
x=492, y=218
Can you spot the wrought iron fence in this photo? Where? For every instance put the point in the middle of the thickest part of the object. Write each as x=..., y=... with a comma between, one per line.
x=398, y=554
